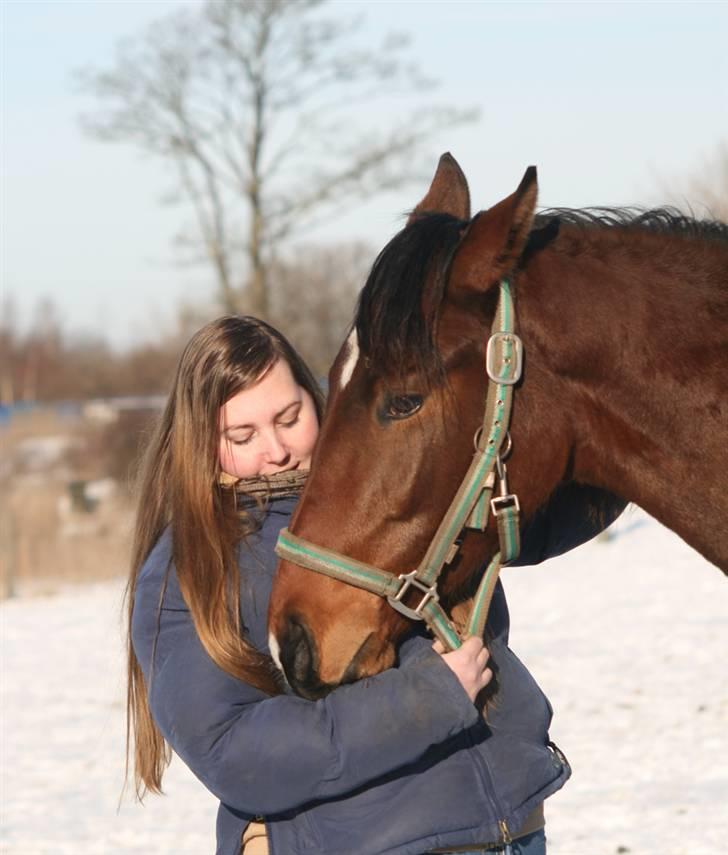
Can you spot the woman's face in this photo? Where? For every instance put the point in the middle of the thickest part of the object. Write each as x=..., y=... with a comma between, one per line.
x=269, y=427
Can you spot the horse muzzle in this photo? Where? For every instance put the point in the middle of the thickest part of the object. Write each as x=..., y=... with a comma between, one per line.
x=299, y=657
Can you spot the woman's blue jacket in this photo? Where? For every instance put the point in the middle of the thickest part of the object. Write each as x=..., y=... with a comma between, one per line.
x=399, y=763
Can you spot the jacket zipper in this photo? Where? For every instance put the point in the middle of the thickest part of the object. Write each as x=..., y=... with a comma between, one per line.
x=505, y=833
x=486, y=777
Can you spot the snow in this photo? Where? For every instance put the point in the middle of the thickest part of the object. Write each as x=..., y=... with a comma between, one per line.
x=627, y=637
x=63, y=733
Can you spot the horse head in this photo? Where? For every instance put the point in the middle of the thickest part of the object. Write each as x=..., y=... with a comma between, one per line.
x=406, y=398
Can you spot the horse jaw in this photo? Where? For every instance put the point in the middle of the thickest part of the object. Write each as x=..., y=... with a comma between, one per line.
x=346, y=658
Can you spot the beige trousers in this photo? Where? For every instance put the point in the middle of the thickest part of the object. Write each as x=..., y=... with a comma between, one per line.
x=255, y=840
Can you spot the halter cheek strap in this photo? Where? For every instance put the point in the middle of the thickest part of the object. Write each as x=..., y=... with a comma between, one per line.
x=470, y=508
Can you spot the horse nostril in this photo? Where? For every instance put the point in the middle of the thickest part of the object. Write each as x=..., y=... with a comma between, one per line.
x=297, y=653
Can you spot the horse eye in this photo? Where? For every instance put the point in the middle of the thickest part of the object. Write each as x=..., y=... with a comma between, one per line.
x=402, y=406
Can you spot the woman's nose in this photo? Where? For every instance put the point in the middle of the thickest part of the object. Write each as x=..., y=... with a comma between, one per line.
x=277, y=451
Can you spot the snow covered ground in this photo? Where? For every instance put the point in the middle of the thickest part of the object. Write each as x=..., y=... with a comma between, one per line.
x=627, y=637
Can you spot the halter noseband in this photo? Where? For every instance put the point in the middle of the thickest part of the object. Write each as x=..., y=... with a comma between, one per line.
x=469, y=509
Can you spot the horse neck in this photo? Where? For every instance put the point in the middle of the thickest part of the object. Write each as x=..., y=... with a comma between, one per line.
x=628, y=334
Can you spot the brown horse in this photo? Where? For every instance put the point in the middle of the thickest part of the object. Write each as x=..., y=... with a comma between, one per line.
x=624, y=320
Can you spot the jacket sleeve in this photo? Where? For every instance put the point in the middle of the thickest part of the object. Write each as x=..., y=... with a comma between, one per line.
x=264, y=755
x=574, y=514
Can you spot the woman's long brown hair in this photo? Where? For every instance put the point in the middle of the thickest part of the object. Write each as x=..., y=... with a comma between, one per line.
x=179, y=486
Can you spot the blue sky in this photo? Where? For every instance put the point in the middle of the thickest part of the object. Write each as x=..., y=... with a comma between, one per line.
x=614, y=102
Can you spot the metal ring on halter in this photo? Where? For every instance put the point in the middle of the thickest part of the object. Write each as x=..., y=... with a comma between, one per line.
x=509, y=447
x=500, y=467
x=476, y=439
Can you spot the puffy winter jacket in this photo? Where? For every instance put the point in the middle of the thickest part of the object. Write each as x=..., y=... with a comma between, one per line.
x=399, y=763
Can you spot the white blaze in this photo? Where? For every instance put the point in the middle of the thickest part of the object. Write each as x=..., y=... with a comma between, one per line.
x=352, y=357
x=275, y=651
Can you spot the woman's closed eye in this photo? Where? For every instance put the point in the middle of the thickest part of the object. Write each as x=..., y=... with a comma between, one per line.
x=242, y=440
x=289, y=423
x=246, y=439
x=289, y=417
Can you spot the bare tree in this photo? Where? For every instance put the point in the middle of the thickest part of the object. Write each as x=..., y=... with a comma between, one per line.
x=9, y=335
x=326, y=280
x=44, y=363
x=266, y=108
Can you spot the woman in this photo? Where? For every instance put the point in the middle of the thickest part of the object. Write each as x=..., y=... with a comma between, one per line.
x=398, y=763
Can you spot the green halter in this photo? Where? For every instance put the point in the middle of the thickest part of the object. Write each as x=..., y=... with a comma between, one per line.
x=469, y=508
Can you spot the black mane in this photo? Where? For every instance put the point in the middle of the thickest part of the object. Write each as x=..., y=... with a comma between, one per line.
x=667, y=221
x=398, y=307
x=410, y=273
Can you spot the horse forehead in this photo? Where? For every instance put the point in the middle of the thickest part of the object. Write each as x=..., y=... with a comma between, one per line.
x=351, y=358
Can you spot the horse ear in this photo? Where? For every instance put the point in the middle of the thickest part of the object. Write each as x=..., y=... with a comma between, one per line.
x=448, y=193
x=496, y=238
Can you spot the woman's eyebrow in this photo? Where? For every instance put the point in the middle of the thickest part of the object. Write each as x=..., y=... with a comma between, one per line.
x=276, y=416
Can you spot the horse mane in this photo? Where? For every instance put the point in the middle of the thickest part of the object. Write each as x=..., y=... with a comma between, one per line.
x=398, y=307
x=667, y=221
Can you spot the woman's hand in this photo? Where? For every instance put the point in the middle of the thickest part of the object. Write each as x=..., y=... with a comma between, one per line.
x=469, y=663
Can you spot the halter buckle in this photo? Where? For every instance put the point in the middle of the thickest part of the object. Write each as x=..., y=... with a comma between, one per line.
x=507, y=370
x=506, y=500
x=501, y=503
x=410, y=580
